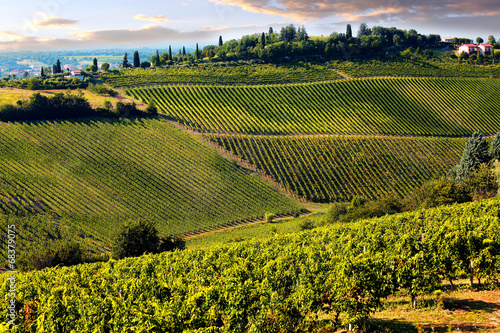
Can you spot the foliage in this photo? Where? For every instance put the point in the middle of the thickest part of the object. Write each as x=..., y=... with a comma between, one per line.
x=151, y=108
x=306, y=224
x=105, y=66
x=475, y=153
x=389, y=106
x=101, y=90
x=445, y=192
x=135, y=238
x=269, y=217
x=494, y=150
x=482, y=184
x=38, y=107
x=277, y=284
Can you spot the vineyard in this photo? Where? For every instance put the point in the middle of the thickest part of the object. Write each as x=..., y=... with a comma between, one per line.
x=279, y=284
x=243, y=74
x=96, y=173
x=413, y=67
x=335, y=168
x=388, y=106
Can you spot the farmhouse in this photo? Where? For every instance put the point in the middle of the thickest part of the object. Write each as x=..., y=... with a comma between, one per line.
x=73, y=74
x=447, y=39
x=473, y=48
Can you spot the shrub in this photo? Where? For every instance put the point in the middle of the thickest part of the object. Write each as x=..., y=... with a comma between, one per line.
x=135, y=238
x=482, y=183
x=445, y=192
x=171, y=243
x=269, y=217
x=306, y=224
x=151, y=108
x=334, y=213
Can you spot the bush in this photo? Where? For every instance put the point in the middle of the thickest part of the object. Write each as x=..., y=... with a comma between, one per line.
x=101, y=90
x=135, y=238
x=306, y=224
x=126, y=110
x=151, y=108
x=269, y=217
x=171, y=243
x=445, y=192
x=482, y=183
x=335, y=212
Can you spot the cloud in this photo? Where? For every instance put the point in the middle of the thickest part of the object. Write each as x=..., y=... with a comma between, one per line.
x=156, y=19
x=145, y=36
x=55, y=22
x=410, y=10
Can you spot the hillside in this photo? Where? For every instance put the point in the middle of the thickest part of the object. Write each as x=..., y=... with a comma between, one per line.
x=98, y=173
x=336, y=168
x=388, y=106
x=280, y=283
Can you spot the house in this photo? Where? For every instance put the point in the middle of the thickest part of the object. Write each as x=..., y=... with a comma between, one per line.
x=447, y=39
x=73, y=74
x=473, y=49
x=485, y=49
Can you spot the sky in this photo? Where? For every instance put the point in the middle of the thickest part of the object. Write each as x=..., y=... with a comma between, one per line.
x=91, y=24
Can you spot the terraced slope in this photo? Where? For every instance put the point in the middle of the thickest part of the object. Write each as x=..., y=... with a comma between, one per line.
x=245, y=74
x=388, y=106
x=335, y=168
x=97, y=173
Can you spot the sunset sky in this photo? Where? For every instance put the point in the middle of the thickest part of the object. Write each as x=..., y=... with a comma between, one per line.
x=70, y=24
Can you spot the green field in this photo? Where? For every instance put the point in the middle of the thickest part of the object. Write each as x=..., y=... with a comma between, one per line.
x=415, y=68
x=388, y=106
x=319, y=280
x=95, y=174
x=212, y=74
x=336, y=168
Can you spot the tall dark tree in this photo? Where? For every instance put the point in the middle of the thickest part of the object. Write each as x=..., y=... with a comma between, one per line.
x=364, y=30
x=348, y=32
x=169, y=52
x=95, y=63
x=271, y=31
x=125, y=63
x=475, y=153
x=58, y=67
x=495, y=148
x=54, y=69
x=197, y=52
x=41, y=72
x=137, y=60
x=220, y=41
x=184, y=51
x=263, y=40
x=157, y=58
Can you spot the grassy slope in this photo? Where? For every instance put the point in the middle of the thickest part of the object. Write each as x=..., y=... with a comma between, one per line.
x=97, y=173
x=12, y=95
x=138, y=283
x=389, y=106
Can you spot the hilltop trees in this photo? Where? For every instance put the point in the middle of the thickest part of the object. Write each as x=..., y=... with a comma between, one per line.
x=475, y=153
x=105, y=66
x=479, y=40
x=220, y=41
x=95, y=64
x=348, y=32
x=364, y=30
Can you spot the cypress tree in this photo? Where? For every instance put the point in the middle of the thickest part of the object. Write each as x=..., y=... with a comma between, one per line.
x=41, y=73
x=125, y=63
x=348, y=32
x=54, y=69
x=95, y=63
x=183, y=51
x=263, y=40
x=271, y=31
x=137, y=60
x=495, y=148
x=169, y=52
x=180, y=52
x=58, y=67
x=220, y=41
x=196, y=53
x=475, y=153
x=157, y=58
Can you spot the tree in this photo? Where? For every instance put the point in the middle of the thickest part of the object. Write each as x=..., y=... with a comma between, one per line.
x=263, y=40
x=26, y=74
x=220, y=41
x=494, y=151
x=364, y=30
x=445, y=192
x=475, y=153
x=92, y=68
x=125, y=63
x=135, y=238
x=146, y=64
x=271, y=31
x=105, y=66
x=183, y=51
x=95, y=63
x=348, y=32
x=137, y=60
x=157, y=61
x=196, y=53
x=41, y=72
x=170, y=53
x=479, y=40
x=58, y=67
x=151, y=108
x=491, y=40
